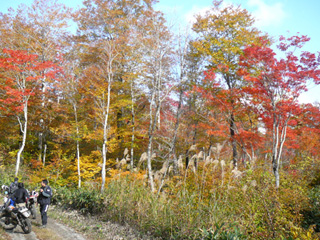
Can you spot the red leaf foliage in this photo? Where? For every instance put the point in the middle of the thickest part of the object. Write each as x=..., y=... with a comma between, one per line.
x=22, y=73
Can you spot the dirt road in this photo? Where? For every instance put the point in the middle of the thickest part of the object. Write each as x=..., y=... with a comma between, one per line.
x=54, y=231
x=91, y=228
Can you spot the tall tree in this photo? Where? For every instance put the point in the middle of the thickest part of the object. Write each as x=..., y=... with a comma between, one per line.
x=23, y=73
x=158, y=59
x=49, y=22
x=275, y=85
x=70, y=88
x=174, y=114
x=105, y=29
x=39, y=29
x=223, y=34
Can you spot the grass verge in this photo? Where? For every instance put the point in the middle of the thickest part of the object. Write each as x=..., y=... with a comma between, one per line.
x=4, y=235
x=45, y=234
x=93, y=227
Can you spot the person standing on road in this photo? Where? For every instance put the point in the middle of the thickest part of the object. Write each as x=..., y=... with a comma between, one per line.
x=20, y=196
x=44, y=198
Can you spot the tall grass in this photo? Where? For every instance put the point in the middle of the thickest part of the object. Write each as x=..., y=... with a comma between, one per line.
x=193, y=207
x=212, y=203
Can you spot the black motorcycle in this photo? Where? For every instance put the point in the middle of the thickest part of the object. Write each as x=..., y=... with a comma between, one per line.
x=31, y=203
x=12, y=217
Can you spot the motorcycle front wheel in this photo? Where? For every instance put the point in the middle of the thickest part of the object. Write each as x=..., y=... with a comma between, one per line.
x=25, y=225
x=7, y=225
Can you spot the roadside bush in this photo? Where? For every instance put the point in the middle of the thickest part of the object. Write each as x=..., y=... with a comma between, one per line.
x=312, y=215
x=84, y=200
x=6, y=178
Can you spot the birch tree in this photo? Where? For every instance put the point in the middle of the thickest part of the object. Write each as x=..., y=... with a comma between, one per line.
x=22, y=72
x=158, y=46
x=105, y=29
x=40, y=29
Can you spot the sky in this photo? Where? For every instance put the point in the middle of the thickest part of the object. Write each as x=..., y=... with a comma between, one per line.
x=276, y=17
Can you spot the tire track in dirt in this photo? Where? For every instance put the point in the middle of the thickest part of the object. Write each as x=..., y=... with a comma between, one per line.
x=64, y=231
x=58, y=230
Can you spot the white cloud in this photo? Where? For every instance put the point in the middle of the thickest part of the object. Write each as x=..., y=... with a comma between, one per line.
x=267, y=15
x=195, y=10
x=312, y=95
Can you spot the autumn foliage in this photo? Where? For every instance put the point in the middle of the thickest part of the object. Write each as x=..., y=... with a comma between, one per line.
x=171, y=133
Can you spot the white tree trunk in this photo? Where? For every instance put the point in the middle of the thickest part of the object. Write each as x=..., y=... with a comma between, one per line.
x=41, y=122
x=133, y=125
x=152, y=125
x=44, y=154
x=278, y=142
x=23, y=128
x=108, y=57
x=149, y=166
x=105, y=136
x=78, y=165
x=77, y=143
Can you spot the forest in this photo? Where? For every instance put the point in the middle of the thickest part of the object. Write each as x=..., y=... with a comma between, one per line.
x=193, y=134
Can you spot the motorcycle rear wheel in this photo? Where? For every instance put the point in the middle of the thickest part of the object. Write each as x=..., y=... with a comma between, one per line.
x=33, y=212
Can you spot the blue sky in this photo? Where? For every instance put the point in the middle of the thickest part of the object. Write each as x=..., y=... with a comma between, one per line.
x=276, y=17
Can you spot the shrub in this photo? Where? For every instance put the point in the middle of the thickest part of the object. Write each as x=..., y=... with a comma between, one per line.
x=84, y=200
x=231, y=232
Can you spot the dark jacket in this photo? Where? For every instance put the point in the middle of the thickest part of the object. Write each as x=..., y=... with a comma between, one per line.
x=20, y=195
x=45, y=196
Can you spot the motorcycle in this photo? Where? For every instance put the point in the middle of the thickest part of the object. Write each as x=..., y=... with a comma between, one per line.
x=4, y=188
x=12, y=216
x=31, y=202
